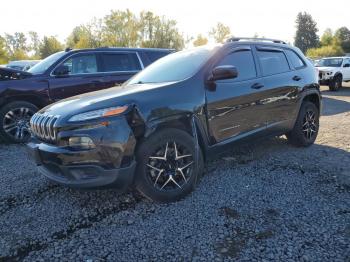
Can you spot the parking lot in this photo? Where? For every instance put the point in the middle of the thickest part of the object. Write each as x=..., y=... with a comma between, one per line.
x=266, y=201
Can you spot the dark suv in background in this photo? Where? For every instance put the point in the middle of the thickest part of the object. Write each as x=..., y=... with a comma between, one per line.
x=156, y=130
x=62, y=75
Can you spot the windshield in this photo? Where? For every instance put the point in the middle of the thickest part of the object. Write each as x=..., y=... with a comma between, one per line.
x=174, y=67
x=42, y=66
x=330, y=62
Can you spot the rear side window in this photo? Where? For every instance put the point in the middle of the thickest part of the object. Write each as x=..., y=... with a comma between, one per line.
x=114, y=62
x=243, y=61
x=295, y=59
x=273, y=62
x=153, y=56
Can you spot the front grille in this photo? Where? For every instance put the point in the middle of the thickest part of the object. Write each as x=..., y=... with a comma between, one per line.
x=43, y=127
x=320, y=75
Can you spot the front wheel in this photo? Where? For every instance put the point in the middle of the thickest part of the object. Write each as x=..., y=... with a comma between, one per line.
x=166, y=165
x=14, y=121
x=335, y=83
x=306, y=126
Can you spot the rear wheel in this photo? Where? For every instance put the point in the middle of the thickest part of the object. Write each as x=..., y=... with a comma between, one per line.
x=335, y=83
x=306, y=126
x=14, y=121
x=166, y=165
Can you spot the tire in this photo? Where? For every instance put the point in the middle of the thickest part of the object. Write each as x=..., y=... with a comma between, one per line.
x=306, y=126
x=14, y=121
x=335, y=83
x=157, y=167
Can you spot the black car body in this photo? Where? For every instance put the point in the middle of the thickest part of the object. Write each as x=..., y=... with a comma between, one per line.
x=182, y=109
x=61, y=75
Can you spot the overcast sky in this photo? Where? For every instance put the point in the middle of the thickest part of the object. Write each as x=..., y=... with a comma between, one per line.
x=269, y=18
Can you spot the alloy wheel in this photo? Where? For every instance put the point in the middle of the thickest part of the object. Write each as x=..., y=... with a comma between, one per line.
x=309, y=125
x=16, y=123
x=170, y=167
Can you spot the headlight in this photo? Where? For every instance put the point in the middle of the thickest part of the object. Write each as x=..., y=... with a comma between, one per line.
x=329, y=73
x=110, y=111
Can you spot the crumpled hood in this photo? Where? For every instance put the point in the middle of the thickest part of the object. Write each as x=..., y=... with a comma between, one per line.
x=7, y=74
x=115, y=96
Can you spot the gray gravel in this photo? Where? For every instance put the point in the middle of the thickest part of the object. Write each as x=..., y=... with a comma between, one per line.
x=268, y=201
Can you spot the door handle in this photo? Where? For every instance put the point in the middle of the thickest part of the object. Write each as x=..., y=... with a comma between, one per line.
x=296, y=78
x=257, y=86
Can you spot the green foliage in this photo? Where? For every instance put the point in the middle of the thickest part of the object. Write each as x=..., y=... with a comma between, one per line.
x=3, y=52
x=200, y=40
x=343, y=36
x=125, y=29
x=220, y=32
x=306, y=34
x=49, y=46
x=327, y=37
x=325, y=51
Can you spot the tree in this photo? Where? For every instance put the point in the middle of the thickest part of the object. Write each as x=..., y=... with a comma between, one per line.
x=327, y=37
x=220, y=32
x=306, y=34
x=120, y=29
x=49, y=46
x=3, y=52
x=343, y=36
x=86, y=36
x=16, y=46
x=200, y=40
x=34, y=45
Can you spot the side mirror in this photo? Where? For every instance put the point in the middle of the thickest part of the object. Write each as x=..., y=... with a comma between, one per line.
x=346, y=65
x=223, y=72
x=62, y=70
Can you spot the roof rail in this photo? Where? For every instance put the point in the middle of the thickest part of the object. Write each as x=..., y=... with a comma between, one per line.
x=236, y=39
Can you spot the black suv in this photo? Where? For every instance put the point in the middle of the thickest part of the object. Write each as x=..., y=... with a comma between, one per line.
x=156, y=130
x=62, y=75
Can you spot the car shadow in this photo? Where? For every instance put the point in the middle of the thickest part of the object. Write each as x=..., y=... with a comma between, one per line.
x=344, y=91
x=332, y=106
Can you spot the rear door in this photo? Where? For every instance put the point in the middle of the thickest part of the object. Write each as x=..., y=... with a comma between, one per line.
x=282, y=83
x=84, y=76
x=119, y=67
x=233, y=106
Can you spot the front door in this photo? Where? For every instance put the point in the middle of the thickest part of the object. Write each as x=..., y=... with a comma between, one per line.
x=233, y=106
x=83, y=76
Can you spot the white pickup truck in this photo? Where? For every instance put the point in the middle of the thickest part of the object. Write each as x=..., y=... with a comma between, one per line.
x=333, y=71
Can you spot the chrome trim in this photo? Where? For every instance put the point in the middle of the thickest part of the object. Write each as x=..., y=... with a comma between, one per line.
x=43, y=127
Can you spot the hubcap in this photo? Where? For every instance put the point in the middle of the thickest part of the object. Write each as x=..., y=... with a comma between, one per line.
x=170, y=167
x=16, y=123
x=309, y=124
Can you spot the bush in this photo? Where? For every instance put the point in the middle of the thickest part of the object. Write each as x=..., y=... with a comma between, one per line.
x=325, y=51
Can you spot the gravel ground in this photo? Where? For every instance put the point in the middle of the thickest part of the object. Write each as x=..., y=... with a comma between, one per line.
x=268, y=201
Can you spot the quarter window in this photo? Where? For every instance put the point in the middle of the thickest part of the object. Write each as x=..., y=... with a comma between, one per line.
x=243, y=61
x=120, y=62
x=81, y=64
x=295, y=59
x=273, y=62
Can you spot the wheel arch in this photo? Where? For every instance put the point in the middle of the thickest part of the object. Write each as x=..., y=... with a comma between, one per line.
x=187, y=122
x=35, y=100
x=313, y=98
x=337, y=74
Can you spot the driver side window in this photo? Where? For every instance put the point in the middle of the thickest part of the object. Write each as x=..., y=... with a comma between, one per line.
x=244, y=62
x=81, y=64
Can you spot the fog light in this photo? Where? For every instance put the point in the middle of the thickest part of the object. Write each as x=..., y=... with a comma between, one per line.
x=81, y=142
